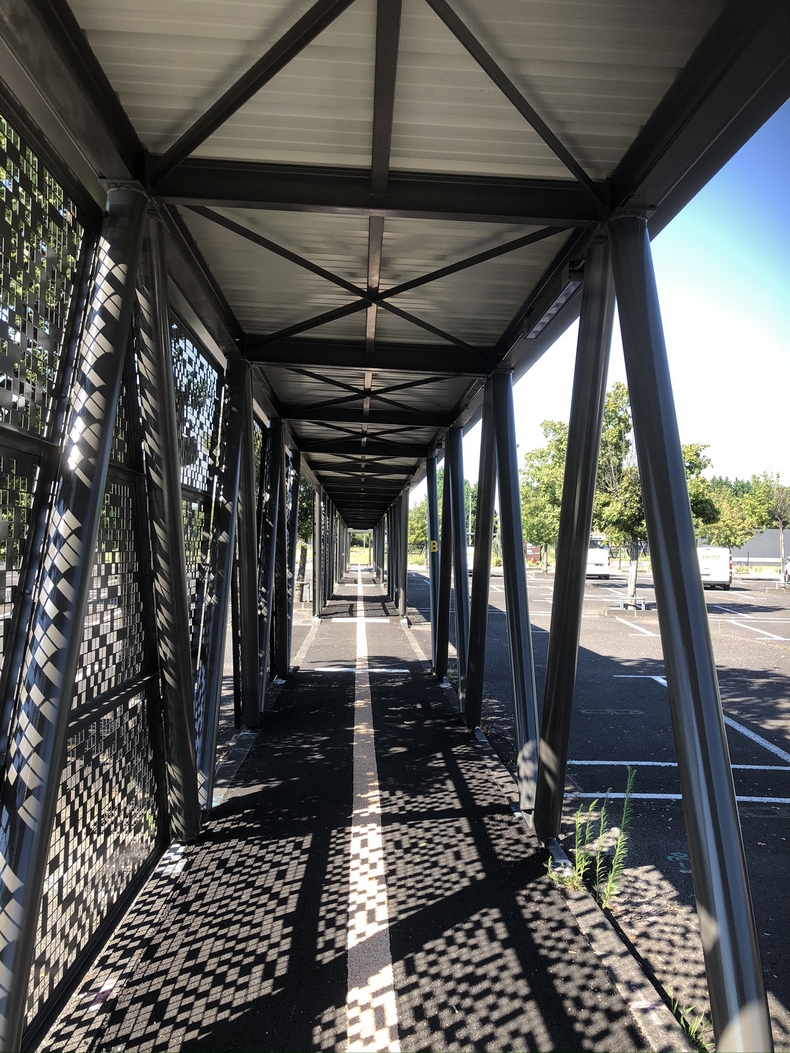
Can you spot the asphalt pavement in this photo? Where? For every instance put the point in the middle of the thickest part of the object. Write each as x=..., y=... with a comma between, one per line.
x=622, y=719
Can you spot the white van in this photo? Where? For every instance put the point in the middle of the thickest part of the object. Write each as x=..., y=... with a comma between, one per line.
x=715, y=566
x=597, y=559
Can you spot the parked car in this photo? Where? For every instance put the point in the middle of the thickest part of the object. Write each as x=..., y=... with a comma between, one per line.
x=715, y=566
x=597, y=559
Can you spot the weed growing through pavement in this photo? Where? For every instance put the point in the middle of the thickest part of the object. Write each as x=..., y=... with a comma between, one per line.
x=588, y=850
x=698, y=1029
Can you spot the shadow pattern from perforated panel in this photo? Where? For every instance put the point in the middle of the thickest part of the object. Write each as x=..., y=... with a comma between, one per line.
x=199, y=394
x=105, y=829
x=107, y=815
x=40, y=239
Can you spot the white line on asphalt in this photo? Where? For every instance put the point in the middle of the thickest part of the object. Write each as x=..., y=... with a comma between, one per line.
x=668, y=764
x=633, y=625
x=756, y=629
x=346, y=618
x=729, y=610
x=371, y=1010
x=746, y=732
x=353, y=669
x=671, y=797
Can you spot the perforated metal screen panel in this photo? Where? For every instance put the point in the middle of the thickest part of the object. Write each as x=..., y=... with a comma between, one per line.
x=40, y=240
x=107, y=814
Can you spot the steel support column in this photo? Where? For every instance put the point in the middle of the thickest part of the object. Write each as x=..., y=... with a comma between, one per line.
x=163, y=476
x=282, y=655
x=732, y=958
x=248, y=573
x=519, y=637
x=37, y=738
x=445, y=580
x=318, y=553
x=269, y=546
x=293, y=539
x=225, y=513
x=481, y=569
x=433, y=547
x=460, y=568
x=403, y=581
x=581, y=466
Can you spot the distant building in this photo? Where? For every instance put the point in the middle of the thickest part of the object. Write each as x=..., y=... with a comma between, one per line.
x=762, y=548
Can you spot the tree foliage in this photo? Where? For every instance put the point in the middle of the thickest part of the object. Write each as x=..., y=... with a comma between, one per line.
x=541, y=485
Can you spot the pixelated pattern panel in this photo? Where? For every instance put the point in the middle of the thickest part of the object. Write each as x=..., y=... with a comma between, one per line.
x=111, y=651
x=196, y=390
x=105, y=829
x=195, y=541
x=17, y=481
x=40, y=239
x=119, y=451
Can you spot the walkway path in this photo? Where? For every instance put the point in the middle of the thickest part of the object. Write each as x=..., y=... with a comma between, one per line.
x=362, y=885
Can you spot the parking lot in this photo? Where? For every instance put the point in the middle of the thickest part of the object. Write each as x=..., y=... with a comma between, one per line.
x=621, y=719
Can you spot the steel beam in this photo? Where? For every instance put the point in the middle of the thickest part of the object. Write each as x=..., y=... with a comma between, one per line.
x=289, y=45
x=163, y=474
x=433, y=547
x=732, y=958
x=584, y=441
x=270, y=537
x=282, y=655
x=225, y=514
x=445, y=579
x=293, y=539
x=350, y=354
x=342, y=189
x=481, y=569
x=522, y=665
x=248, y=553
x=318, y=534
x=460, y=568
x=404, y=546
x=37, y=740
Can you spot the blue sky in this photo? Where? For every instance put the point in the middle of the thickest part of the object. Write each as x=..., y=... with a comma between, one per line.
x=723, y=273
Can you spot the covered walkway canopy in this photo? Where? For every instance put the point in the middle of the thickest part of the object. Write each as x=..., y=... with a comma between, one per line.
x=244, y=242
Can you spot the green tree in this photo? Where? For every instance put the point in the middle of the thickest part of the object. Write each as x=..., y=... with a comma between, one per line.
x=743, y=510
x=418, y=525
x=541, y=487
x=779, y=512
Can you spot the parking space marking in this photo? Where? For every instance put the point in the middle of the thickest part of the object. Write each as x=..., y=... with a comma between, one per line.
x=670, y=797
x=668, y=764
x=729, y=610
x=633, y=625
x=353, y=669
x=746, y=732
x=757, y=629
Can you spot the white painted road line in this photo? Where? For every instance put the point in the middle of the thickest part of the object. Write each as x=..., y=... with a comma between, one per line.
x=384, y=620
x=729, y=610
x=668, y=764
x=756, y=629
x=371, y=1010
x=353, y=669
x=669, y=797
x=633, y=625
x=746, y=732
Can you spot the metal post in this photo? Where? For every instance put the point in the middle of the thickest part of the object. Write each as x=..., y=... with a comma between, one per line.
x=318, y=534
x=581, y=465
x=39, y=726
x=403, y=502
x=481, y=569
x=433, y=545
x=732, y=958
x=460, y=569
x=163, y=476
x=269, y=546
x=445, y=580
x=248, y=572
x=282, y=653
x=390, y=556
x=519, y=638
x=225, y=512
x=293, y=539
